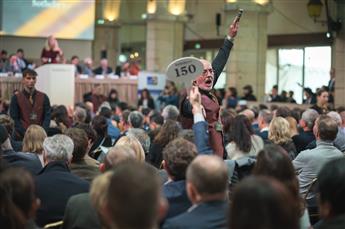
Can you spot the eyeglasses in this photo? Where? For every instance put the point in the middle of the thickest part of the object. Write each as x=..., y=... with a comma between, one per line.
x=210, y=70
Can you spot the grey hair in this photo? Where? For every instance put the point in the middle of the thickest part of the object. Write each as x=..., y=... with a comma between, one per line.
x=80, y=114
x=266, y=115
x=136, y=119
x=336, y=117
x=170, y=112
x=309, y=116
x=58, y=148
x=142, y=137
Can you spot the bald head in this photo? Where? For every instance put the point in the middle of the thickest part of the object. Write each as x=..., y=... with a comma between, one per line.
x=249, y=114
x=208, y=174
x=205, y=80
x=118, y=154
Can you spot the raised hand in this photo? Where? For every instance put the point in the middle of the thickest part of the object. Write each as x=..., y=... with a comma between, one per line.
x=233, y=28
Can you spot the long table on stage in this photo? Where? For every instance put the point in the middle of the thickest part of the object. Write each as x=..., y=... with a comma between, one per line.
x=127, y=88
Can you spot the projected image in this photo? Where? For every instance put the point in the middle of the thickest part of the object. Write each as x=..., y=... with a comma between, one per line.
x=41, y=18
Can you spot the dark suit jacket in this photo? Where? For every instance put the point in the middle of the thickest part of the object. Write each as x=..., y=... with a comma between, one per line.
x=263, y=134
x=150, y=103
x=211, y=214
x=28, y=161
x=303, y=139
x=80, y=213
x=99, y=71
x=176, y=194
x=55, y=184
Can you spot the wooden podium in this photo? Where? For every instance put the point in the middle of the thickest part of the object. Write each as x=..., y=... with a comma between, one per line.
x=57, y=81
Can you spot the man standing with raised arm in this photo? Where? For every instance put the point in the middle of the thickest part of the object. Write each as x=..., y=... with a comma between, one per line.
x=206, y=82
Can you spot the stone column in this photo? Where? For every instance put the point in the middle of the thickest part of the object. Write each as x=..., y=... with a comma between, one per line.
x=107, y=34
x=247, y=62
x=164, y=38
x=107, y=37
x=338, y=51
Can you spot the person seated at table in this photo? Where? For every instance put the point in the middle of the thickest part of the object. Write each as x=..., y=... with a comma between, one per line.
x=104, y=69
x=51, y=52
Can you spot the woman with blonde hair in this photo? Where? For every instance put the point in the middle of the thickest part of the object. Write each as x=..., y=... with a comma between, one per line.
x=133, y=143
x=33, y=141
x=51, y=52
x=279, y=133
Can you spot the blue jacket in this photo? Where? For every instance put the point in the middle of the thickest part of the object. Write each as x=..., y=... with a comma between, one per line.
x=201, y=137
x=176, y=194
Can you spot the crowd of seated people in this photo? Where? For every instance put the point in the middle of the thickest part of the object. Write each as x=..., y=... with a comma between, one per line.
x=107, y=164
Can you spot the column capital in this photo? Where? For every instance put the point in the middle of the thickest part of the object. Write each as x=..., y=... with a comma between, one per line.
x=249, y=6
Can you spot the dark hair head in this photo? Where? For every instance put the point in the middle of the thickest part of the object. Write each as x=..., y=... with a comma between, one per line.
x=320, y=91
x=60, y=115
x=296, y=113
x=122, y=105
x=100, y=125
x=20, y=50
x=265, y=202
x=308, y=91
x=74, y=57
x=331, y=182
x=208, y=174
x=3, y=52
x=227, y=117
x=80, y=142
x=273, y=161
x=168, y=132
x=240, y=133
x=233, y=91
x=327, y=128
x=147, y=93
x=29, y=72
x=146, y=111
x=17, y=194
x=136, y=198
x=283, y=112
x=157, y=118
x=248, y=88
x=106, y=112
x=178, y=154
x=91, y=133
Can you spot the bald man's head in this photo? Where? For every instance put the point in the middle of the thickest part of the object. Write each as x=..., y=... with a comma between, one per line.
x=118, y=154
x=208, y=174
x=205, y=80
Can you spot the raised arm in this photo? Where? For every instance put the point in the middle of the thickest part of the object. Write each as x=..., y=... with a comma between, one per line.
x=200, y=126
x=223, y=54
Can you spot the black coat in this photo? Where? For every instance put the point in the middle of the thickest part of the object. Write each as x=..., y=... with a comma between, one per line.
x=55, y=184
x=211, y=214
x=28, y=161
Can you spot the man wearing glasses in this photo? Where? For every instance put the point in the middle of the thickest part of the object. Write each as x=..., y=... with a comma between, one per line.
x=206, y=82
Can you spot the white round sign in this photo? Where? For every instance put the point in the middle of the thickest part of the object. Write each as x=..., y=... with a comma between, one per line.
x=184, y=70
